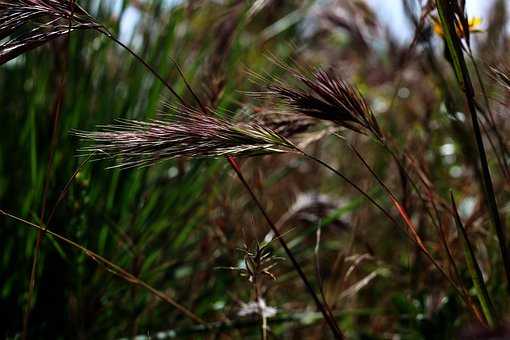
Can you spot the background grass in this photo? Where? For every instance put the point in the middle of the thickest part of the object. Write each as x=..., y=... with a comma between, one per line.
x=176, y=225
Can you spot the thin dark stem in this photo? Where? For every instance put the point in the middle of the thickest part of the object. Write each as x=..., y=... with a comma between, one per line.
x=490, y=118
x=331, y=322
x=455, y=47
x=407, y=221
x=351, y=183
x=144, y=63
x=190, y=89
x=111, y=267
x=66, y=187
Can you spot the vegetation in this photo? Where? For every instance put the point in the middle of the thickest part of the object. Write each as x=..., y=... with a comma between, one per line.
x=253, y=169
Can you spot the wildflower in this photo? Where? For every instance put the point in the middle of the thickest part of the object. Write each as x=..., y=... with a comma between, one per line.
x=473, y=24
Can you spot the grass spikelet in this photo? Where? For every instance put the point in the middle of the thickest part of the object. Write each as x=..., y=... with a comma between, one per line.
x=501, y=75
x=189, y=134
x=27, y=24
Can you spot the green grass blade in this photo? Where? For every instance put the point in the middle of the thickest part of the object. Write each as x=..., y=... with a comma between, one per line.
x=454, y=44
x=474, y=270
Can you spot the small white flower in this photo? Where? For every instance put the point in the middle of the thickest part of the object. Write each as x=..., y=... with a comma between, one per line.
x=259, y=308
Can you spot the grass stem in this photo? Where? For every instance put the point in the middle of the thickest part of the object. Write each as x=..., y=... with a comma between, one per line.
x=330, y=321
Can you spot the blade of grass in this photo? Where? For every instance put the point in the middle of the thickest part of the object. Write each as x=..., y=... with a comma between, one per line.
x=58, y=102
x=474, y=270
x=465, y=295
x=454, y=45
x=111, y=267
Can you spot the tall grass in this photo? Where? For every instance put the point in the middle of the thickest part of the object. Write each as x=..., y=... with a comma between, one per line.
x=155, y=204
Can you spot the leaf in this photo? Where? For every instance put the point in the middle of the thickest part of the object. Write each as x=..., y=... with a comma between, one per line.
x=445, y=13
x=474, y=270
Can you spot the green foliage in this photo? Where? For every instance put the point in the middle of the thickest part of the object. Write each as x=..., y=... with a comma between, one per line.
x=371, y=227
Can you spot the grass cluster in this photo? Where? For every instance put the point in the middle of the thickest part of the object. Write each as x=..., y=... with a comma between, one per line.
x=253, y=169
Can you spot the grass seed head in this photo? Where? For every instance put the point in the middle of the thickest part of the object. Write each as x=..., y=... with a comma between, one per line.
x=326, y=97
x=189, y=134
x=28, y=24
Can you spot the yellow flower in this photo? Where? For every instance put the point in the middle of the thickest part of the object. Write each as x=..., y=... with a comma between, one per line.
x=473, y=23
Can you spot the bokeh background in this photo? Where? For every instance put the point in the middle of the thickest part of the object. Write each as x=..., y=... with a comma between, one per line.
x=180, y=225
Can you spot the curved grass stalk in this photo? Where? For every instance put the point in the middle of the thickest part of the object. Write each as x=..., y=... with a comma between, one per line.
x=111, y=267
x=92, y=24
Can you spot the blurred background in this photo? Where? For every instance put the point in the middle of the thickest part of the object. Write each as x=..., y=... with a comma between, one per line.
x=181, y=226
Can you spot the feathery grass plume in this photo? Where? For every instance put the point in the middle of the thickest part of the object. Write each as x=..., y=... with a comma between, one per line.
x=189, y=134
x=474, y=269
x=326, y=97
x=501, y=75
x=287, y=124
x=27, y=24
